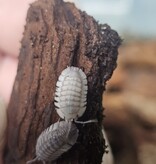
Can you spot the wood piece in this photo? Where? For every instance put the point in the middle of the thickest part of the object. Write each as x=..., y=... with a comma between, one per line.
x=58, y=35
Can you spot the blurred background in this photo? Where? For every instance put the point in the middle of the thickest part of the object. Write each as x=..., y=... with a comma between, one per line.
x=130, y=97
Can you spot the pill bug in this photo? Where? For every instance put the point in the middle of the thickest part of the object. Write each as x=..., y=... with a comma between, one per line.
x=71, y=93
x=54, y=141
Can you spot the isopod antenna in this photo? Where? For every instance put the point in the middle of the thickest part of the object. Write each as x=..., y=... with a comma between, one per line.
x=86, y=122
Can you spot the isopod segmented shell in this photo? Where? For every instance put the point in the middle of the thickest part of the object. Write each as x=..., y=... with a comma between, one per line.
x=54, y=141
x=71, y=93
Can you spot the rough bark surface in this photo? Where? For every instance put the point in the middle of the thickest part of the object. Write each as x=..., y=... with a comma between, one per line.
x=58, y=35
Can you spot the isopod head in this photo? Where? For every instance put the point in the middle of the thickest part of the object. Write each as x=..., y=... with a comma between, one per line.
x=71, y=93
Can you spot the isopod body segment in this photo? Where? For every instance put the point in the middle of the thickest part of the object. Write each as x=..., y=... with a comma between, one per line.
x=71, y=93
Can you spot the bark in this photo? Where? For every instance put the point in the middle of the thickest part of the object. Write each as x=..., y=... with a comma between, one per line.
x=58, y=35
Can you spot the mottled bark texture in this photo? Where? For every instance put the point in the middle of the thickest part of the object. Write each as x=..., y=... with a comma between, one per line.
x=58, y=35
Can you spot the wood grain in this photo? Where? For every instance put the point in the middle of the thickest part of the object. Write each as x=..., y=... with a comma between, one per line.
x=58, y=35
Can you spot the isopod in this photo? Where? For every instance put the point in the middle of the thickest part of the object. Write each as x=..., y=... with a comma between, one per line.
x=71, y=93
x=54, y=141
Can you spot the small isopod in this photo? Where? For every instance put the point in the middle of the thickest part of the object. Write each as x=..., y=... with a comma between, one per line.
x=71, y=93
x=54, y=141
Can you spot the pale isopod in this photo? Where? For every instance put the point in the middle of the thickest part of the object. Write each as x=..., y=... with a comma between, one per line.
x=71, y=93
x=54, y=141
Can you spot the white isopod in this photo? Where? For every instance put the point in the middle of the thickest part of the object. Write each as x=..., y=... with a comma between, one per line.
x=54, y=141
x=71, y=93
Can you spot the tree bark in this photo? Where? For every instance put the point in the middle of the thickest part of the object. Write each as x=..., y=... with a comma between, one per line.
x=58, y=35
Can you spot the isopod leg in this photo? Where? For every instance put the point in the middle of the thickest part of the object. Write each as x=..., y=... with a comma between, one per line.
x=32, y=161
x=86, y=122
